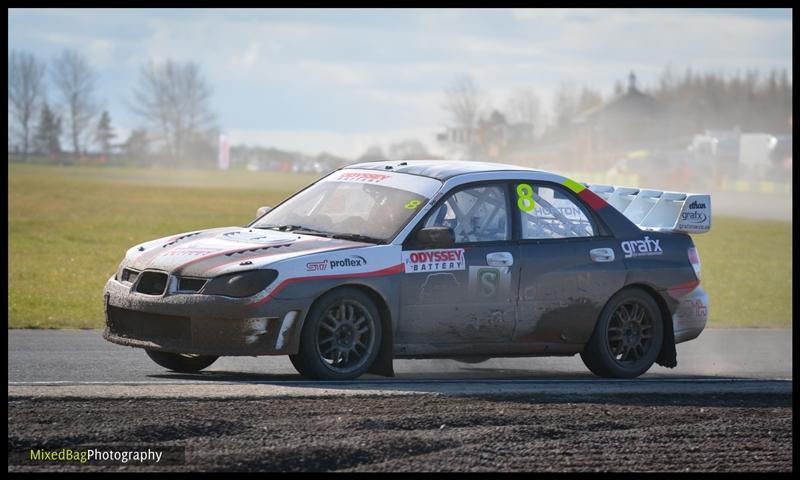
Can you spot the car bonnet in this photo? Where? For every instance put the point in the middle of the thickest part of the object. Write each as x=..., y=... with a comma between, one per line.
x=213, y=252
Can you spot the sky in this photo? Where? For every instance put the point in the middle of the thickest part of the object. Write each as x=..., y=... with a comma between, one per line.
x=342, y=80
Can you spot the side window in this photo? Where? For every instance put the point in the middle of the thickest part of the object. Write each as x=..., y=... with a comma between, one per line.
x=550, y=213
x=478, y=214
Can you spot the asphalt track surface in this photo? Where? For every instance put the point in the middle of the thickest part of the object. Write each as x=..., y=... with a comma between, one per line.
x=726, y=407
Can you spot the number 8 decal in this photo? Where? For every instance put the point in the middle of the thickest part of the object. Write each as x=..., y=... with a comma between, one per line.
x=525, y=201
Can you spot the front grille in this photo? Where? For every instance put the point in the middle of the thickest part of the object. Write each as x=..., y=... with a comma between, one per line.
x=152, y=283
x=129, y=275
x=146, y=326
x=190, y=284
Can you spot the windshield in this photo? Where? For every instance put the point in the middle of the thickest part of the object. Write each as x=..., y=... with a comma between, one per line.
x=349, y=206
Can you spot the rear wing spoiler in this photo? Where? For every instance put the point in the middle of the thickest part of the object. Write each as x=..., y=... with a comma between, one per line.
x=657, y=210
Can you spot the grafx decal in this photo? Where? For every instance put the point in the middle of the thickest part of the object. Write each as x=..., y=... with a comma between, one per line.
x=641, y=248
x=694, y=216
x=489, y=283
x=434, y=260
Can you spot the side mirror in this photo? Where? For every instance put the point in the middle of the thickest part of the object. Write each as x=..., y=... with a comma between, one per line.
x=436, y=237
x=262, y=210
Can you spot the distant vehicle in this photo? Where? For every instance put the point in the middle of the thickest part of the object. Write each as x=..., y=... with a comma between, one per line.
x=425, y=259
x=669, y=169
x=751, y=156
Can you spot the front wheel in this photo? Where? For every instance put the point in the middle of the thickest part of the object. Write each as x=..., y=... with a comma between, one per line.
x=340, y=338
x=181, y=362
x=627, y=338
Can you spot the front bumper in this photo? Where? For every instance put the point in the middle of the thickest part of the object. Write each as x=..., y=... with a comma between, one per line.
x=201, y=324
x=691, y=315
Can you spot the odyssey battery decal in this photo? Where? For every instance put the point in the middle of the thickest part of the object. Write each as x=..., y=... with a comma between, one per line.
x=434, y=260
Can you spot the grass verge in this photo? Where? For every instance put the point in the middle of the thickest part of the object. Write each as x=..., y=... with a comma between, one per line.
x=69, y=227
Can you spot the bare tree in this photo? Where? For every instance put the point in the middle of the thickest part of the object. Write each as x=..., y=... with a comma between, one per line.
x=565, y=105
x=589, y=98
x=25, y=91
x=373, y=154
x=524, y=106
x=136, y=147
x=408, y=149
x=74, y=80
x=463, y=101
x=104, y=133
x=48, y=133
x=175, y=100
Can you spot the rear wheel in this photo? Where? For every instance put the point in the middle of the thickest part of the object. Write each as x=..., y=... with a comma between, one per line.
x=340, y=338
x=627, y=338
x=181, y=362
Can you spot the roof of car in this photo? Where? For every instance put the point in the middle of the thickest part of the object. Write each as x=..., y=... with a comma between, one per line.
x=438, y=169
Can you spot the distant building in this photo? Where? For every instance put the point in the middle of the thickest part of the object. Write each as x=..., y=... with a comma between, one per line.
x=630, y=121
x=492, y=138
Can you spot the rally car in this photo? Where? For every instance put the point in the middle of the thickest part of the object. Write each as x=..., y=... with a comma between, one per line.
x=425, y=259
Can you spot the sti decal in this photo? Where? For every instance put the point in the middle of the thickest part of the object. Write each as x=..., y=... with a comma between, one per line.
x=641, y=248
x=434, y=260
x=317, y=266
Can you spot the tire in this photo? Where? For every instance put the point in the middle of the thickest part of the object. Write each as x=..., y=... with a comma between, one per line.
x=341, y=336
x=181, y=362
x=621, y=347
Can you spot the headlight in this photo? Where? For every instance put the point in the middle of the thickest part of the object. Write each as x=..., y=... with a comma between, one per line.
x=240, y=284
x=118, y=275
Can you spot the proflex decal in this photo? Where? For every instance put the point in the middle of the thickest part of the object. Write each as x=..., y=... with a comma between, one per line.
x=434, y=260
x=694, y=215
x=328, y=264
x=641, y=248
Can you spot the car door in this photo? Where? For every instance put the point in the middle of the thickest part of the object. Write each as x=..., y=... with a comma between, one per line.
x=569, y=263
x=466, y=293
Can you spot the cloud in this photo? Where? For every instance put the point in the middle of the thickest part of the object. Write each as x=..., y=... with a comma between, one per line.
x=340, y=73
x=248, y=58
x=99, y=51
x=282, y=74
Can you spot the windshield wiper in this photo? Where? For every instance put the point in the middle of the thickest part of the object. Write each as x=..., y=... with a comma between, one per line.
x=311, y=231
x=297, y=229
x=358, y=237
x=285, y=228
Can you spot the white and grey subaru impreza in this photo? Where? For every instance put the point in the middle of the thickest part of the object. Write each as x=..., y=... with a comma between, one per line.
x=425, y=259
